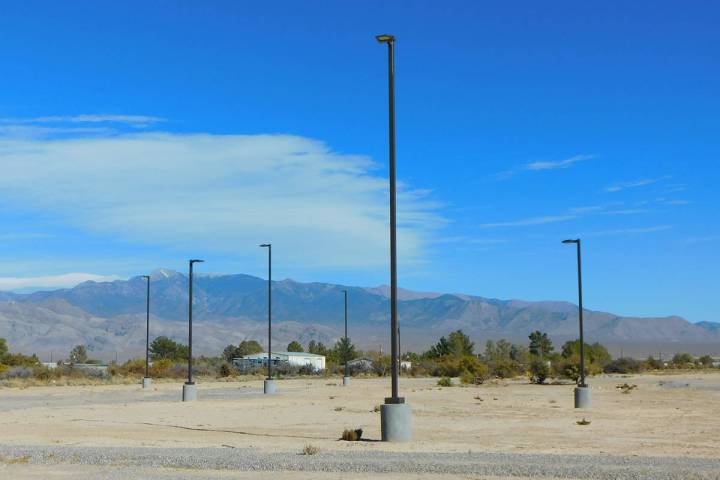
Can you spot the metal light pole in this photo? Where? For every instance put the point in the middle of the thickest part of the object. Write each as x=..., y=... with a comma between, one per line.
x=346, y=376
x=269, y=384
x=189, y=389
x=582, y=392
x=396, y=419
x=146, y=380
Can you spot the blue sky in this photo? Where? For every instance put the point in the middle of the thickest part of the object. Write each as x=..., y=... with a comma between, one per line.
x=135, y=135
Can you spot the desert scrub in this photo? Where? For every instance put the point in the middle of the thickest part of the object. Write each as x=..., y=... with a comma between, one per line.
x=445, y=382
x=350, y=435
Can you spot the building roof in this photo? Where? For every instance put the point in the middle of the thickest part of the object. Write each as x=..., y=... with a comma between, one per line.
x=286, y=354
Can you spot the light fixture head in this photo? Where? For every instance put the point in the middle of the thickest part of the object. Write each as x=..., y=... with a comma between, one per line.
x=385, y=38
x=571, y=241
x=266, y=245
x=146, y=276
x=196, y=260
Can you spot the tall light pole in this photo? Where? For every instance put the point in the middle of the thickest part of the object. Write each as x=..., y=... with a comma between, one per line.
x=146, y=380
x=346, y=376
x=395, y=415
x=582, y=392
x=190, y=389
x=269, y=384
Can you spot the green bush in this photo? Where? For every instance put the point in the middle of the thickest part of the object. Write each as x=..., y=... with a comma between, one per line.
x=623, y=365
x=539, y=371
x=445, y=382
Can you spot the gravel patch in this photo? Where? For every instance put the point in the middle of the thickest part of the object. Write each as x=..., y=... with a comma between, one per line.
x=503, y=465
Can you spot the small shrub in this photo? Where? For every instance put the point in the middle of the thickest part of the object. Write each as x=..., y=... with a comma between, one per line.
x=225, y=370
x=352, y=435
x=310, y=450
x=623, y=365
x=134, y=366
x=539, y=371
x=583, y=422
x=445, y=382
x=376, y=409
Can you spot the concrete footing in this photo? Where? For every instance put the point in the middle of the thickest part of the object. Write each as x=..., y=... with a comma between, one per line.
x=147, y=382
x=396, y=422
x=583, y=398
x=346, y=381
x=189, y=393
x=269, y=386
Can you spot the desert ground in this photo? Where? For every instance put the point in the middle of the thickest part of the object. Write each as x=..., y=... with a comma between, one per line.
x=667, y=427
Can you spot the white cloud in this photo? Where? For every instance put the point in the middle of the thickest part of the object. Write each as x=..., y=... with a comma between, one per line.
x=634, y=184
x=531, y=221
x=220, y=193
x=67, y=280
x=545, y=165
x=554, y=165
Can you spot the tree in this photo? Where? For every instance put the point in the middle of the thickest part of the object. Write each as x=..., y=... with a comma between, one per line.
x=317, y=348
x=248, y=347
x=4, y=351
x=682, y=359
x=295, y=346
x=460, y=344
x=456, y=344
x=78, y=354
x=706, y=361
x=440, y=349
x=229, y=353
x=540, y=344
x=165, y=348
x=344, y=351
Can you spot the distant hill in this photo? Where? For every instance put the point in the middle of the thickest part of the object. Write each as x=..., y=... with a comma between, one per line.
x=110, y=316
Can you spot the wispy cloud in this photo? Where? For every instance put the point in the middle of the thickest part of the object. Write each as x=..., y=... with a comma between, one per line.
x=705, y=239
x=133, y=120
x=629, y=231
x=617, y=187
x=554, y=165
x=53, y=281
x=545, y=165
x=221, y=194
x=531, y=221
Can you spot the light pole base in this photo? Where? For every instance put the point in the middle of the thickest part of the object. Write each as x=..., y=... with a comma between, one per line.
x=346, y=381
x=147, y=382
x=396, y=422
x=189, y=393
x=583, y=397
x=269, y=386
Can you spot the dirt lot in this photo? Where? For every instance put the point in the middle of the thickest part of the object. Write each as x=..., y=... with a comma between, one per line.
x=666, y=415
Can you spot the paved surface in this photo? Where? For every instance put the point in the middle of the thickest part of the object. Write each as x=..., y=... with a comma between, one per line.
x=193, y=462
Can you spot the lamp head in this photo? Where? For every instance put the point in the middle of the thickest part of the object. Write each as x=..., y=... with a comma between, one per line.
x=385, y=38
x=196, y=260
x=147, y=277
x=266, y=245
x=571, y=241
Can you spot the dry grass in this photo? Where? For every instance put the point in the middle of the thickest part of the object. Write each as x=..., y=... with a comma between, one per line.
x=583, y=422
x=310, y=450
x=15, y=460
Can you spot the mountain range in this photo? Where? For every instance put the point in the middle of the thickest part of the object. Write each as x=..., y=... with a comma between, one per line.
x=109, y=317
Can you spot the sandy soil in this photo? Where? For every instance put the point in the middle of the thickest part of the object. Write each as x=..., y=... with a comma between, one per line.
x=666, y=415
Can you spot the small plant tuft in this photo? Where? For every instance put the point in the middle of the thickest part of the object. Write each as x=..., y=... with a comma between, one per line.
x=310, y=450
x=350, y=435
x=583, y=422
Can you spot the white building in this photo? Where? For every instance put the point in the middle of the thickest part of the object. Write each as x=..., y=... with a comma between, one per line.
x=298, y=359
